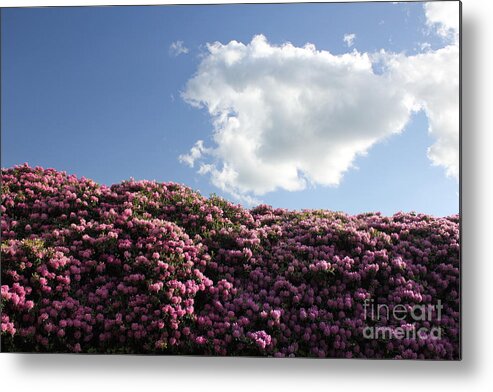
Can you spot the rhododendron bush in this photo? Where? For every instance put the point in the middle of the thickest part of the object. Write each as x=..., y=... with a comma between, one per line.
x=145, y=267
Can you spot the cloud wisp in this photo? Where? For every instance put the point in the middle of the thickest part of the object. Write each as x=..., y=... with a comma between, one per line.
x=349, y=39
x=286, y=117
x=177, y=48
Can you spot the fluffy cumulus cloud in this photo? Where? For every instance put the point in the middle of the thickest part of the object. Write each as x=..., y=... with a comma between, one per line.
x=176, y=48
x=444, y=17
x=432, y=80
x=285, y=117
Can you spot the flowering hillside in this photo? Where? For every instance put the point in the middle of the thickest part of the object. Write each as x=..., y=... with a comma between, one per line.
x=146, y=267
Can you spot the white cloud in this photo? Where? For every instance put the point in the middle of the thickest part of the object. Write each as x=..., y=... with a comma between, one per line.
x=349, y=39
x=432, y=79
x=424, y=46
x=177, y=48
x=285, y=117
x=195, y=153
x=444, y=16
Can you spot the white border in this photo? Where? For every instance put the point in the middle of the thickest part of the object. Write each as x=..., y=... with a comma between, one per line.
x=473, y=373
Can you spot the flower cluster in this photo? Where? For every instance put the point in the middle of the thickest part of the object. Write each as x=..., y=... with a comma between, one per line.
x=144, y=267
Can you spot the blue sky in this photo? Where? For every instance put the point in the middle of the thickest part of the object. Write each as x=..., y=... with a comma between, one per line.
x=96, y=92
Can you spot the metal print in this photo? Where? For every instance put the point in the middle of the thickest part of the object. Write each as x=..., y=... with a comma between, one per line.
x=270, y=180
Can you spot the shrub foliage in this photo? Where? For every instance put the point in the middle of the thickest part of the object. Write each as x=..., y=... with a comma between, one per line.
x=145, y=267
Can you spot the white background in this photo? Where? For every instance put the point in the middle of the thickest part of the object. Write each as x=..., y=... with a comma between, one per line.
x=473, y=373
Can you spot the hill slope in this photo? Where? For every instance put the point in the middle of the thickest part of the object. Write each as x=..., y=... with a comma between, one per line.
x=144, y=267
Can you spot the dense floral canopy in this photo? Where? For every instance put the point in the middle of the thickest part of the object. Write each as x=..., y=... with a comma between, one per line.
x=146, y=267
